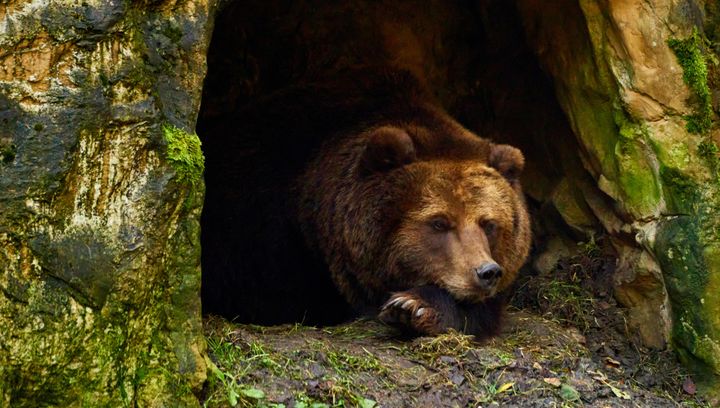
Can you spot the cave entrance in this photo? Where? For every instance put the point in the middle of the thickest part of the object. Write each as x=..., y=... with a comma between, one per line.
x=473, y=57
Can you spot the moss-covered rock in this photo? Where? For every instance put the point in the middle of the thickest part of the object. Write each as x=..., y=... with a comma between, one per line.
x=185, y=154
x=691, y=273
x=100, y=195
x=632, y=78
x=691, y=56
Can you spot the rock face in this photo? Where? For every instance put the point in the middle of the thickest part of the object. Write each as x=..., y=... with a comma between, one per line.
x=100, y=195
x=632, y=77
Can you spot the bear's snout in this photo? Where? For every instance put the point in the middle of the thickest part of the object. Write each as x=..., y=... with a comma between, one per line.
x=488, y=275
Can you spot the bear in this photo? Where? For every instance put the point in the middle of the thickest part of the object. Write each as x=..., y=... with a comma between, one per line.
x=358, y=195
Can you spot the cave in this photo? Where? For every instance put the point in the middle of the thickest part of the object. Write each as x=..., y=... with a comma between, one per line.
x=103, y=106
x=472, y=56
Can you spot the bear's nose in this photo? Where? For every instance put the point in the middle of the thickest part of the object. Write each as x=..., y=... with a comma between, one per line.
x=488, y=273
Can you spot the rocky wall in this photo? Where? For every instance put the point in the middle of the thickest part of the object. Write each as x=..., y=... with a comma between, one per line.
x=100, y=197
x=632, y=77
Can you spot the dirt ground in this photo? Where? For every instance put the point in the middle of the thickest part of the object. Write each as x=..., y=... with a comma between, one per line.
x=565, y=344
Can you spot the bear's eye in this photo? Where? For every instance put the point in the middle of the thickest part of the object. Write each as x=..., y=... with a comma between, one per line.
x=440, y=224
x=490, y=228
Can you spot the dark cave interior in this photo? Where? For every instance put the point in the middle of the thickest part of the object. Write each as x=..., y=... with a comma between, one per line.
x=471, y=55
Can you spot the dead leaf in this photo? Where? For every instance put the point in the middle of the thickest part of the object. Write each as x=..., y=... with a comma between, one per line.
x=618, y=392
x=505, y=387
x=612, y=362
x=598, y=375
x=577, y=336
x=601, y=377
x=555, y=382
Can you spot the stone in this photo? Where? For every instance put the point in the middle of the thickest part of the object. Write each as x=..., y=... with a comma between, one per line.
x=571, y=205
x=555, y=249
x=99, y=220
x=639, y=286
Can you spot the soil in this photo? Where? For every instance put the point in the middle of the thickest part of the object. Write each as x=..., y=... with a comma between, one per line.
x=565, y=343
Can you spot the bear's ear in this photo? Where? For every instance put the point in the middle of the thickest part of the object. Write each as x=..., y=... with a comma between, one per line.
x=387, y=147
x=508, y=161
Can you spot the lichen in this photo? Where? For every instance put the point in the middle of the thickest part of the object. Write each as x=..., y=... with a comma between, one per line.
x=184, y=154
x=690, y=53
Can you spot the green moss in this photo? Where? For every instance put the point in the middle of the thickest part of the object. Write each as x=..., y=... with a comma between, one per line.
x=699, y=122
x=711, y=297
x=688, y=250
x=138, y=76
x=636, y=176
x=637, y=179
x=712, y=24
x=627, y=129
x=682, y=194
x=596, y=131
x=184, y=154
x=689, y=272
x=172, y=31
x=691, y=57
x=698, y=351
x=708, y=150
x=7, y=152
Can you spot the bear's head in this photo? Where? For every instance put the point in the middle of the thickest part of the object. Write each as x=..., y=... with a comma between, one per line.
x=462, y=224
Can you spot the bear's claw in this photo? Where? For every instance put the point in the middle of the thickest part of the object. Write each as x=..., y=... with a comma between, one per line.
x=411, y=313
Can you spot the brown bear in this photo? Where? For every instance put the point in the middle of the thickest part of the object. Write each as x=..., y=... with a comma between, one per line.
x=361, y=184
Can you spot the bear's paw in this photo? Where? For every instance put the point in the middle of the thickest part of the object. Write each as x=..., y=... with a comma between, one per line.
x=408, y=311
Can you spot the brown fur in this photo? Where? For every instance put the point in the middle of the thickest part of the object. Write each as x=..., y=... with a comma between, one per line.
x=373, y=226
x=366, y=170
